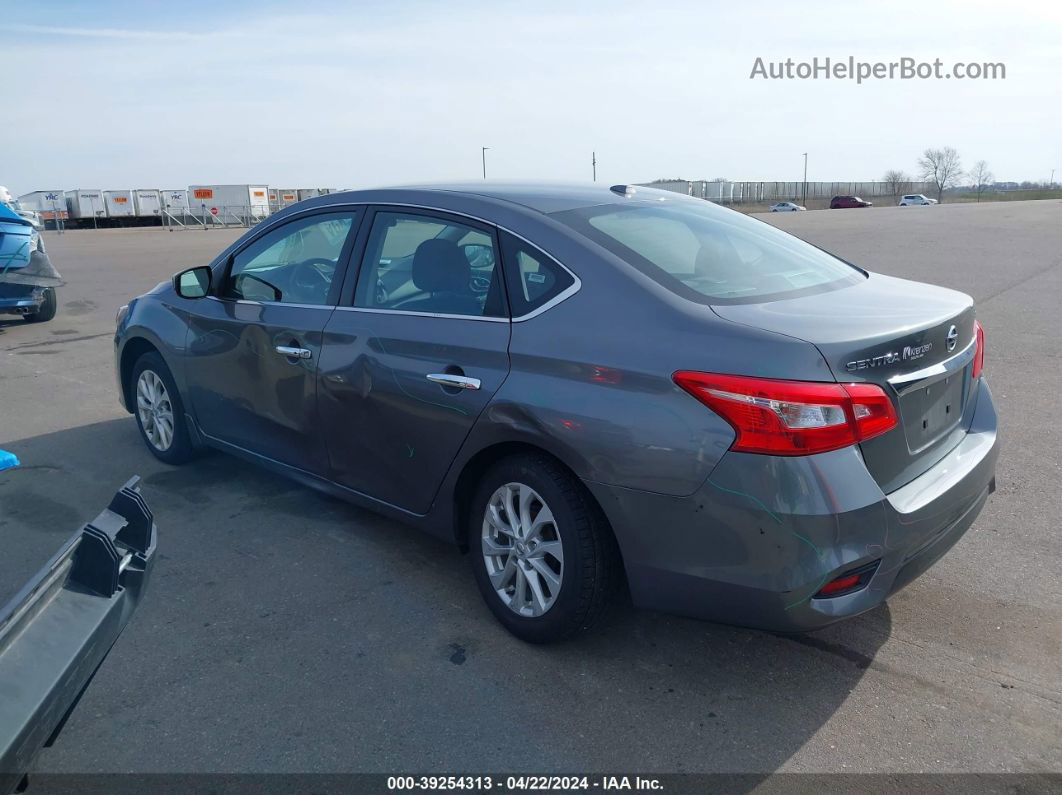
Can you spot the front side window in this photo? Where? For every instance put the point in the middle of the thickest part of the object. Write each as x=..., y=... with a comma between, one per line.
x=708, y=254
x=430, y=264
x=295, y=263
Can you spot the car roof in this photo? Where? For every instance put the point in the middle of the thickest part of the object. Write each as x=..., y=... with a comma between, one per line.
x=543, y=197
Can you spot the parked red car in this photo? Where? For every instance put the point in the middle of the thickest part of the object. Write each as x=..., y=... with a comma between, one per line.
x=844, y=202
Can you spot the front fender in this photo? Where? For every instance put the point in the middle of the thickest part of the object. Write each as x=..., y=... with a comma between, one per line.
x=156, y=323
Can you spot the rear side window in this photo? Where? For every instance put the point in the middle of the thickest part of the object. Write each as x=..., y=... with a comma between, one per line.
x=532, y=277
x=708, y=254
x=418, y=262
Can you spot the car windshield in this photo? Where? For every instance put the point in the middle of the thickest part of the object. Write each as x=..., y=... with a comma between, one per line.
x=710, y=255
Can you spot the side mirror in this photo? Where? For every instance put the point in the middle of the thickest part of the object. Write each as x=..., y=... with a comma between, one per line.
x=194, y=282
x=478, y=255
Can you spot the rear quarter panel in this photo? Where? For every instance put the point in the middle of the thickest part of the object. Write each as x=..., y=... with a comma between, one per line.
x=592, y=376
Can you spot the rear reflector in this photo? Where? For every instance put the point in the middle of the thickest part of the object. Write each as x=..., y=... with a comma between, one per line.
x=840, y=584
x=792, y=417
x=848, y=583
x=979, y=350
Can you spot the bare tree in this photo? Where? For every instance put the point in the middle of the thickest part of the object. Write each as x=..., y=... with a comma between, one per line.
x=942, y=167
x=899, y=182
x=981, y=177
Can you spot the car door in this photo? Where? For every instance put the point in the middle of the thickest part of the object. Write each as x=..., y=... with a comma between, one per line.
x=253, y=345
x=414, y=353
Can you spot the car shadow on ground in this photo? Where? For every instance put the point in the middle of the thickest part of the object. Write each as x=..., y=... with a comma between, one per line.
x=288, y=631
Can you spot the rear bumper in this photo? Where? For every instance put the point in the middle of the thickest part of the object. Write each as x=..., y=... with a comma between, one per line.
x=16, y=297
x=57, y=631
x=759, y=539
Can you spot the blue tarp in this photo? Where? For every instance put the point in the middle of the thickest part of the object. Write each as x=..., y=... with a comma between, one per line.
x=7, y=460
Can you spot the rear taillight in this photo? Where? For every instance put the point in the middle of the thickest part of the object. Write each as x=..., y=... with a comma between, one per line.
x=792, y=417
x=979, y=350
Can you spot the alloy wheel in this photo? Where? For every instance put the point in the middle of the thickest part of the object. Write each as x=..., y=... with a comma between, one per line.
x=522, y=550
x=155, y=410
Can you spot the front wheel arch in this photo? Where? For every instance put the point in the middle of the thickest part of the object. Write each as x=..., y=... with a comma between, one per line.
x=131, y=353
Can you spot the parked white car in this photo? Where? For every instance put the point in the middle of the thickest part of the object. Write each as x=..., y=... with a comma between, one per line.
x=916, y=198
x=787, y=207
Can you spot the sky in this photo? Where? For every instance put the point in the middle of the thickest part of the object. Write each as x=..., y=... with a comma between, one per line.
x=144, y=94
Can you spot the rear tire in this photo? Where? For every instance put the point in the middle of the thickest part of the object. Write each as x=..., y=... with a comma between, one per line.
x=159, y=410
x=548, y=567
x=46, y=311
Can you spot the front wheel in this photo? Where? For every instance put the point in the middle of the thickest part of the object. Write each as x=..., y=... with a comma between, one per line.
x=46, y=311
x=159, y=411
x=542, y=553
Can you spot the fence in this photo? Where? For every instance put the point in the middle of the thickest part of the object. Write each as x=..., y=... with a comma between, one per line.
x=760, y=192
x=220, y=216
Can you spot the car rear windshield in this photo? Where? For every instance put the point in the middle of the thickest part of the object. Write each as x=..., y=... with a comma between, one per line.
x=709, y=254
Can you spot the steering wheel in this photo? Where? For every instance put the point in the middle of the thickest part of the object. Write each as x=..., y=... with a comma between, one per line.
x=308, y=277
x=479, y=284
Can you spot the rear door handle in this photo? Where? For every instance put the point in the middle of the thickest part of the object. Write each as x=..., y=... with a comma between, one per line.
x=294, y=353
x=457, y=381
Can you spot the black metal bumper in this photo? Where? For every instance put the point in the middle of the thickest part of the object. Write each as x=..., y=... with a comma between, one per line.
x=57, y=631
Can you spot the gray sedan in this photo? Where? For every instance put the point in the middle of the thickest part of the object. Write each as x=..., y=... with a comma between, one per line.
x=589, y=389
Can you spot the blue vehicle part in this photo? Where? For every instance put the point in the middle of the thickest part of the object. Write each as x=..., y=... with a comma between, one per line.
x=7, y=460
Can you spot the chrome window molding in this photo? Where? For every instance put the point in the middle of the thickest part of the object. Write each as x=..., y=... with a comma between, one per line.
x=248, y=302
x=374, y=311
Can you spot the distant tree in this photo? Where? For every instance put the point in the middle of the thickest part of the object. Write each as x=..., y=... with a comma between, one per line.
x=898, y=182
x=942, y=167
x=981, y=177
x=719, y=179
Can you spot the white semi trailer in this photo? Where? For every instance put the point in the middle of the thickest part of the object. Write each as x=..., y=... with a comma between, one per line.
x=148, y=202
x=48, y=204
x=175, y=201
x=119, y=203
x=282, y=197
x=82, y=203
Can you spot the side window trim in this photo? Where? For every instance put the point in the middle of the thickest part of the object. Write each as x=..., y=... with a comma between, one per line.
x=356, y=269
x=223, y=267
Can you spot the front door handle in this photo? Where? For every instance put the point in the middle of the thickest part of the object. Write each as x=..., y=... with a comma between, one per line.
x=294, y=353
x=456, y=381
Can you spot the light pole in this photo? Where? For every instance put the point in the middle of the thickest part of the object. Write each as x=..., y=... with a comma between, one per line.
x=1052, y=183
x=593, y=163
x=804, y=201
x=483, y=154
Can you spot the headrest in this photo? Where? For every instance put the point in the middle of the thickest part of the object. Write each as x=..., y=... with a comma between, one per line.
x=440, y=266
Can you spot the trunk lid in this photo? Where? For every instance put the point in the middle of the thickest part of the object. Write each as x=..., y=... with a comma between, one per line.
x=914, y=340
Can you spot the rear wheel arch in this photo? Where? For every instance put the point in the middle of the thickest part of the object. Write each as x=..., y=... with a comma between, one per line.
x=479, y=464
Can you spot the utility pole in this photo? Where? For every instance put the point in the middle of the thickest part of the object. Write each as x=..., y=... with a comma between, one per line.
x=593, y=162
x=483, y=154
x=1052, y=183
x=804, y=201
